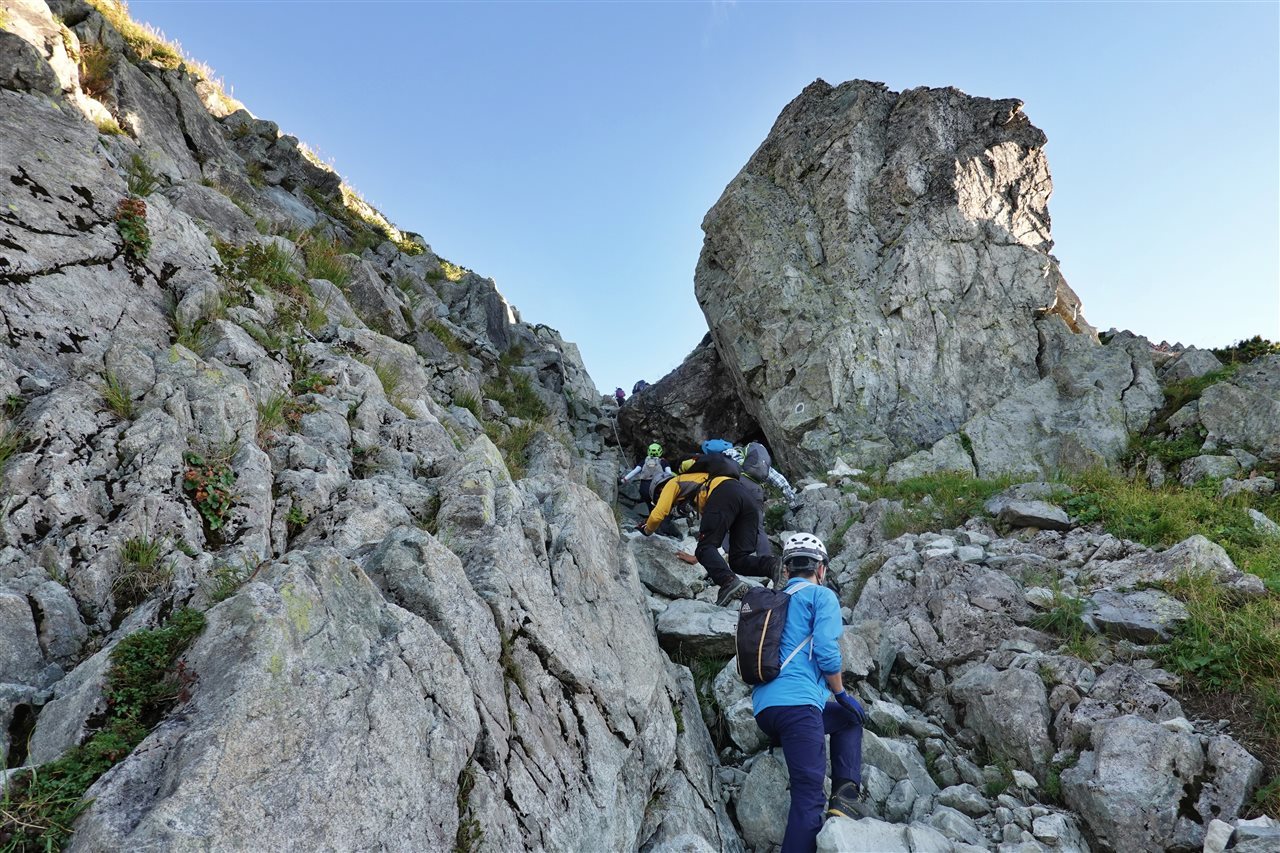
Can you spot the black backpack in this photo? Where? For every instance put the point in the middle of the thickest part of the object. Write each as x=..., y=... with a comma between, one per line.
x=756, y=462
x=715, y=464
x=759, y=636
x=683, y=504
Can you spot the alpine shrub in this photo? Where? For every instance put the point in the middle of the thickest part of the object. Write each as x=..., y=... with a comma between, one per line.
x=209, y=483
x=131, y=222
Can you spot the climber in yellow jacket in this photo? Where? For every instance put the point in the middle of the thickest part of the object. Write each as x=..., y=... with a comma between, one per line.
x=692, y=489
x=727, y=508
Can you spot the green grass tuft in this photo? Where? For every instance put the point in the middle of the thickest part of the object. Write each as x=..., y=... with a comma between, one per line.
x=513, y=442
x=515, y=393
x=470, y=402
x=296, y=518
x=117, y=395
x=1170, y=451
x=227, y=577
x=11, y=439
x=390, y=374
x=1266, y=800
x=1227, y=644
x=141, y=179
x=142, y=572
x=268, y=264
x=446, y=337
x=147, y=43
x=1178, y=394
x=271, y=416
x=109, y=127
x=326, y=258
x=1162, y=517
x=95, y=70
x=1063, y=618
x=144, y=682
x=954, y=498
x=469, y=834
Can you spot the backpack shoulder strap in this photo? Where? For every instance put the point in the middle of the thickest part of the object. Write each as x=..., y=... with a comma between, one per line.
x=807, y=641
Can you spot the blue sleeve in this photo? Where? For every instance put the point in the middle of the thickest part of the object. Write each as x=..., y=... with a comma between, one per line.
x=827, y=628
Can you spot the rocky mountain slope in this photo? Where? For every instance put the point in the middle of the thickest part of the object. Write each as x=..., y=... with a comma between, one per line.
x=306, y=538
x=231, y=386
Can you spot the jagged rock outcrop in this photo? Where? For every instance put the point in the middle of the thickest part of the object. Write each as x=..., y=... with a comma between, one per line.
x=877, y=279
x=696, y=401
x=1243, y=411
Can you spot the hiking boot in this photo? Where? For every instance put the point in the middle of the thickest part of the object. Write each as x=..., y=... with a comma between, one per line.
x=776, y=579
x=731, y=591
x=847, y=801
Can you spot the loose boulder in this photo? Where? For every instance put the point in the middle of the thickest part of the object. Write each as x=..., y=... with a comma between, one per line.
x=1129, y=786
x=849, y=274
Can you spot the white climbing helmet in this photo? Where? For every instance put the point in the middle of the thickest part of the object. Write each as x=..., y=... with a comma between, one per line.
x=803, y=545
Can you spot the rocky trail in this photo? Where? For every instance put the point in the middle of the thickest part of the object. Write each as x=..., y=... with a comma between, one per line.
x=308, y=541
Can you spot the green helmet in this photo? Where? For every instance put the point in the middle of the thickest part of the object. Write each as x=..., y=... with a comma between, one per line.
x=655, y=449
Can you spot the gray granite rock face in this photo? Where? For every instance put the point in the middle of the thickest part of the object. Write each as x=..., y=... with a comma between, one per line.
x=867, y=835
x=698, y=628
x=849, y=274
x=945, y=611
x=763, y=803
x=1038, y=514
x=1204, y=467
x=1010, y=711
x=1193, y=556
x=660, y=569
x=1188, y=364
x=694, y=402
x=1128, y=788
x=1244, y=411
x=409, y=605
x=1144, y=616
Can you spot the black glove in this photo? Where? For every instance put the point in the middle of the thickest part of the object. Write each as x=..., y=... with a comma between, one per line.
x=844, y=700
x=640, y=529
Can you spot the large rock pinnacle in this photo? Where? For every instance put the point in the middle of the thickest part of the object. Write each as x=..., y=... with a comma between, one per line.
x=879, y=272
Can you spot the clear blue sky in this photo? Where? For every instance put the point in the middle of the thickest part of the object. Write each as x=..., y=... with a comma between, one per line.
x=570, y=150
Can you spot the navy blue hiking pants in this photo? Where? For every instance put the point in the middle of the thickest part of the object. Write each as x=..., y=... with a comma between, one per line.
x=801, y=731
x=731, y=510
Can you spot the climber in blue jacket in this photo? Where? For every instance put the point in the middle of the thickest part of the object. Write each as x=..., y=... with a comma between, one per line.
x=807, y=700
